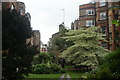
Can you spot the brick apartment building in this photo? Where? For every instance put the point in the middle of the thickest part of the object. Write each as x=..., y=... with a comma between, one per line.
x=101, y=14
x=87, y=15
x=114, y=30
x=9, y=5
x=75, y=25
x=102, y=21
x=19, y=6
x=52, y=42
x=36, y=39
x=106, y=12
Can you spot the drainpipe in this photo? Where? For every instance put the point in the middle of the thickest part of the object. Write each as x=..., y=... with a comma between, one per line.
x=113, y=33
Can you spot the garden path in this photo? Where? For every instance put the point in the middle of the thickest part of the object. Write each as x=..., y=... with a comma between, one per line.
x=67, y=77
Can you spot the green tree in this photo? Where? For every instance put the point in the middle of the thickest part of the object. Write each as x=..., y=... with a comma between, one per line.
x=85, y=50
x=16, y=54
x=43, y=58
x=116, y=22
x=59, y=43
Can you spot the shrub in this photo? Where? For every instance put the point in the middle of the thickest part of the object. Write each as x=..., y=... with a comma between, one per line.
x=55, y=68
x=101, y=72
x=41, y=69
x=110, y=67
x=113, y=60
x=45, y=69
x=43, y=58
x=104, y=73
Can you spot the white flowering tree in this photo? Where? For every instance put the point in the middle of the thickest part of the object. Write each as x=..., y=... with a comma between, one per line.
x=85, y=51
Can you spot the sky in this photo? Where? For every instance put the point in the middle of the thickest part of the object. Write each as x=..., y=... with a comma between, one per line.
x=46, y=15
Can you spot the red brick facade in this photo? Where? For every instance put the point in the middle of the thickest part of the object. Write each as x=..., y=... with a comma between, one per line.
x=105, y=12
x=114, y=31
x=86, y=15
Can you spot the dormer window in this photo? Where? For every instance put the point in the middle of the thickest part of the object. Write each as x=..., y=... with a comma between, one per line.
x=102, y=3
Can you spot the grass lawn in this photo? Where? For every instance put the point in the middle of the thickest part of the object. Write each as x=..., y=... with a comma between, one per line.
x=73, y=74
x=44, y=76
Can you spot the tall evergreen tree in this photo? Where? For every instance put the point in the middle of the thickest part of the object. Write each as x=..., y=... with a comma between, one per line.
x=16, y=54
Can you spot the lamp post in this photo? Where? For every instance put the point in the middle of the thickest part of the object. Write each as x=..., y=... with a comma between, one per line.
x=63, y=15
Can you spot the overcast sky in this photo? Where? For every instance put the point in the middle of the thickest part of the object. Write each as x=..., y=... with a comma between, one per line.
x=46, y=15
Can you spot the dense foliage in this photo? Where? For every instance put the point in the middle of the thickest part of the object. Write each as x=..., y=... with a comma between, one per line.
x=44, y=63
x=47, y=69
x=43, y=58
x=16, y=54
x=110, y=67
x=85, y=50
x=59, y=44
x=116, y=22
x=113, y=61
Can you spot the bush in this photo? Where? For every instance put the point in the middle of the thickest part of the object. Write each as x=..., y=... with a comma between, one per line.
x=55, y=68
x=113, y=60
x=43, y=58
x=110, y=67
x=99, y=73
x=45, y=69
x=104, y=73
x=41, y=69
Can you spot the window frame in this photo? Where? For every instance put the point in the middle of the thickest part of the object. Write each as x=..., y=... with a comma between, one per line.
x=102, y=3
x=91, y=22
x=91, y=11
x=104, y=13
x=21, y=10
x=103, y=30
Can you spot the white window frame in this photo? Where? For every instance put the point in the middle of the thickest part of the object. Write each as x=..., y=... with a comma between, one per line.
x=90, y=23
x=92, y=12
x=102, y=3
x=104, y=14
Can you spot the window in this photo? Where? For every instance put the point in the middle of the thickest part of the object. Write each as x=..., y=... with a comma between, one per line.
x=102, y=3
x=12, y=6
x=102, y=15
x=90, y=23
x=103, y=30
x=21, y=11
x=90, y=12
x=110, y=36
